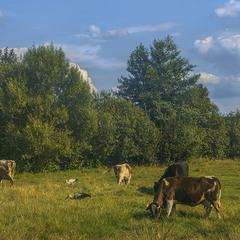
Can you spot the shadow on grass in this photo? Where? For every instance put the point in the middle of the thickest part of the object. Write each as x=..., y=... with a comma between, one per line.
x=142, y=215
x=146, y=190
x=147, y=215
x=186, y=214
x=163, y=216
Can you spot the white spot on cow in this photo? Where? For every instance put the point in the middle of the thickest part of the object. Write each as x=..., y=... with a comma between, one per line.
x=166, y=182
x=153, y=209
x=169, y=206
x=210, y=177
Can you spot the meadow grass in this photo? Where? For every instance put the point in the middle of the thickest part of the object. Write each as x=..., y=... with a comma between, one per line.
x=35, y=208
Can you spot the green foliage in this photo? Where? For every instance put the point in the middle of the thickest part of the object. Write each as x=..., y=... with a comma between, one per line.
x=233, y=125
x=125, y=132
x=34, y=113
x=52, y=120
x=160, y=80
x=158, y=74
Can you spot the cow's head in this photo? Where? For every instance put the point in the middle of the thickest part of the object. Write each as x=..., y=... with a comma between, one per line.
x=155, y=209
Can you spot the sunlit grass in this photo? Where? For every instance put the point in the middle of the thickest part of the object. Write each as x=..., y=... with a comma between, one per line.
x=35, y=208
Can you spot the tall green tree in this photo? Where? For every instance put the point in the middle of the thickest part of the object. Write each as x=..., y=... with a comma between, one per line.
x=161, y=81
x=157, y=74
x=39, y=127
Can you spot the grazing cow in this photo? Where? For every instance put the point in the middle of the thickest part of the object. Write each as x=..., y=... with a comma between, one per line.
x=5, y=174
x=123, y=172
x=9, y=165
x=189, y=191
x=175, y=170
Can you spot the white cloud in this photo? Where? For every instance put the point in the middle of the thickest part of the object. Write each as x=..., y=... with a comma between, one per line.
x=208, y=78
x=96, y=34
x=229, y=43
x=18, y=51
x=151, y=28
x=204, y=45
x=223, y=54
x=230, y=9
x=85, y=76
x=90, y=57
x=83, y=52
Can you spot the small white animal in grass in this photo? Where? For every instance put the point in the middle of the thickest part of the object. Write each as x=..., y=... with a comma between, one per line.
x=78, y=196
x=71, y=181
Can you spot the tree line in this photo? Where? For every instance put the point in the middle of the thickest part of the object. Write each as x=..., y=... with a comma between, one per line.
x=52, y=120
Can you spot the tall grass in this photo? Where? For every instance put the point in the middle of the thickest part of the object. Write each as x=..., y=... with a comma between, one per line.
x=35, y=208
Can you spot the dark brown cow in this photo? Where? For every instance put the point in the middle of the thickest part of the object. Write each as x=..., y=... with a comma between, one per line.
x=123, y=172
x=4, y=174
x=175, y=170
x=189, y=191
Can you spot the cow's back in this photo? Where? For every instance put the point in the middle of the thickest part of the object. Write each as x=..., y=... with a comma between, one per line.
x=191, y=189
x=176, y=170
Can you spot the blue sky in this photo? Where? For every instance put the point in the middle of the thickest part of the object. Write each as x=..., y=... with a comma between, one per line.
x=100, y=36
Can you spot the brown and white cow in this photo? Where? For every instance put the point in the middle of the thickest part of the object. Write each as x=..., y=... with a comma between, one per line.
x=188, y=191
x=10, y=165
x=123, y=172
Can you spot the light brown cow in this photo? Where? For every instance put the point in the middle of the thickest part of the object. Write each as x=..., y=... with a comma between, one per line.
x=189, y=191
x=123, y=172
x=10, y=166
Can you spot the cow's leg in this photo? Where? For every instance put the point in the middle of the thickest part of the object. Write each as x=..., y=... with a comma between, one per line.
x=169, y=206
x=128, y=179
x=120, y=179
x=157, y=215
x=10, y=179
x=217, y=206
x=208, y=207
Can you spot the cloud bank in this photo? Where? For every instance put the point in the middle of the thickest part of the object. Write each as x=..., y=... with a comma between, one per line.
x=208, y=78
x=95, y=33
x=230, y=9
x=88, y=56
x=223, y=53
x=85, y=76
x=18, y=51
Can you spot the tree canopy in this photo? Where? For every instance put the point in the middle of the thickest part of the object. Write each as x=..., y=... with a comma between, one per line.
x=52, y=120
x=161, y=81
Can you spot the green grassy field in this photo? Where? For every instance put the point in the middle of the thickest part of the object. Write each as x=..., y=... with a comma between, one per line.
x=35, y=208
